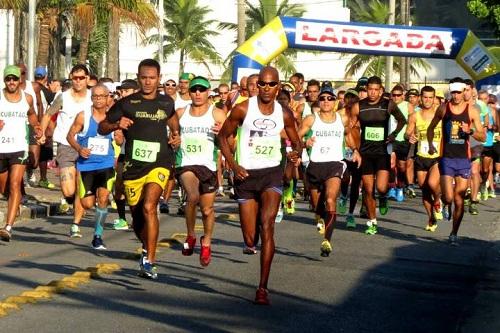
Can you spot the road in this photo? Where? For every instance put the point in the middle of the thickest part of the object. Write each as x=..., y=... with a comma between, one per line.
x=403, y=279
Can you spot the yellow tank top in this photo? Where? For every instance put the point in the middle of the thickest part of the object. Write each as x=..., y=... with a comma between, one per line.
x=423, y=146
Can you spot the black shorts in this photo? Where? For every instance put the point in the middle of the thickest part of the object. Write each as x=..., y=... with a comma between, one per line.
x=401, y=149
x=496, y=149
x=370, y=164
x=488, y=152
x=207, y=177
x=259, y=181
x=90, y=181
x=319, y=172
x=424, y=163
x=46, y=153
x=8, y=159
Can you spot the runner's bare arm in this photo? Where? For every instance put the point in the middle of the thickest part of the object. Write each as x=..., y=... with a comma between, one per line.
x=39, y=105
x=114, y=120
x=400, y=118
x=479, y=131
x=54, y=108
x=291, y=132
x=219, y=119
x=430, y=130
x=350, y=140
x=118, y=137
x=173, y=124
x=410, y=128
x=76, y=128
x=32, y=118
x=306, y=125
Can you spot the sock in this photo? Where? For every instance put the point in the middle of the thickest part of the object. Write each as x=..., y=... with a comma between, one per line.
x=120, y=207
x=8, y=227
x=70, y=200
x=74, y=227
x=371, y=222
x=221, y=189
x=100, y=218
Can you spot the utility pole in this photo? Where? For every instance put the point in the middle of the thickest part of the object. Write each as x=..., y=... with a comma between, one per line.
x=405, y=61
x=389, y=59
x=31, y=39
x=161, y=13
x=241, y=22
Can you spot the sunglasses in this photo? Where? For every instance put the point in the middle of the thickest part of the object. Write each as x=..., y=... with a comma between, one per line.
x=263, y=84
x=326, y=98
x=23, y=73
x=100, y=96
x=11, y=78
x=78, y=78
x=170, y=85
x=198, y=88
x=397, y=95
x=456, y=92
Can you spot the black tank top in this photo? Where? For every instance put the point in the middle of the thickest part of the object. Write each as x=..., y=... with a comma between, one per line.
x=455, y=142
x=374, y=124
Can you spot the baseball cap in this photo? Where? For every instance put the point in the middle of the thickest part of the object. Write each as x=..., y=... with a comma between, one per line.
x=186, y=76
x=413, y=92
x=327, y=89
x=40, y=71
x=288, y=86
x=457, y=86
x=128, y=84
x=12, y=70
x=199, y=81
x=351, y=92
x=363, y=81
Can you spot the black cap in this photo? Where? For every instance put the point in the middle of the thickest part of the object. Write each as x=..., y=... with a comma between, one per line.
x=128, y=84
x=413, y=92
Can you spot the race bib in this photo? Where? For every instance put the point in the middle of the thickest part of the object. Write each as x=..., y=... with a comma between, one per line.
x=98, y=146
x=265, y=149
x=145, y=151
x=374, y=133
x=195, y=146
x=7, y=140
x=324, y=150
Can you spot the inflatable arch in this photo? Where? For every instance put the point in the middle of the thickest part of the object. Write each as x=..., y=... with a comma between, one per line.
x=424, y=42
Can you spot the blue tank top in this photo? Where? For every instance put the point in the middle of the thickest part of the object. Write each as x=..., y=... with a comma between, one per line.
x=102, y=156
x=489, y=133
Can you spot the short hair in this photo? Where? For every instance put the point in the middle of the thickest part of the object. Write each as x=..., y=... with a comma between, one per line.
x=313, y=82
x=93, y=77
x=224, y=85
x=149, y=63
x=374, y=80
x=457, y=79
x=100, y=85
x=255, y=75
x=299, y=76
x=286, y=93
x=80, y=67
x=482, y=92
x=469, y=82
x=340, y=92
x=398, y=87
x=105, y=79
x=427, y=89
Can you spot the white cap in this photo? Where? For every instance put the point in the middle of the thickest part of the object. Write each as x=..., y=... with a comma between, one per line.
x=457, y=86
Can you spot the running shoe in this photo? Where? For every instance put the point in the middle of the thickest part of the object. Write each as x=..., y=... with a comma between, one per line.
x=437, y=211
x=491, y=193
x=220, y=193
x=326, y=248
x=383, y=205
x=261, y=297
x=64, y=207
x=290, y=206
x=74, y=232
x=188, y=246
x=97, y=243
x=447, y=212
x=249, y=250
x=453, y=239
x=148, y=271
x=371, y=229
x=350, y=222
x=342, y=205
x=484, y=193
x=5, y=235
x=467, y=198
x=431, y=226
x=400, y=195
x=279, y=215
x=205, y=254
x=392, y=193
x=410, y=192
x=113, y=204
x=120, y=224
x=320, y=225
x=473, y=210
x=164, y=209
x=46, y=184
x=143, y=258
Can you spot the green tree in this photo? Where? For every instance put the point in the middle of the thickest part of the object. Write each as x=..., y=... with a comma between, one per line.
x=376, y=11
x=486, y=9
x=257, y=17
x=188, y=31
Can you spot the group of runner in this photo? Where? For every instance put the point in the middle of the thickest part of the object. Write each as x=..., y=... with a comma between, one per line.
x=140, y=143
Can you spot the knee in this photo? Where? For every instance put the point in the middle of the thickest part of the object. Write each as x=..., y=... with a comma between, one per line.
x=207, y=212
x=149, y=208
x=330, y=204
x=193, y=199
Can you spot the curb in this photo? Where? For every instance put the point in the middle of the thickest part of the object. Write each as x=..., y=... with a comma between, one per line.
x=31, y=210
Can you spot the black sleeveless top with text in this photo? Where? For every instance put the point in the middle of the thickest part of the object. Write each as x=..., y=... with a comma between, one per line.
x=455, y=142
x=374, y=124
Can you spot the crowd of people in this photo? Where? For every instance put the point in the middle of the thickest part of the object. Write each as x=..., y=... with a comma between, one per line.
x=133, y=143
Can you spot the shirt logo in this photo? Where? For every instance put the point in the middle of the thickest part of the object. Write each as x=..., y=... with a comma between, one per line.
x=264, y=124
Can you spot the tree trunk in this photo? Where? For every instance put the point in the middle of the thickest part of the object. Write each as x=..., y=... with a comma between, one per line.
x=42, y=58
x=181, y=62
x=84, y=46
x=18, y=17
x=113, y=55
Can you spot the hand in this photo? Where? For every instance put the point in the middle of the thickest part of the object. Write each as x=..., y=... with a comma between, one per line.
x=293, y=156
x=412, y=139
x=432, y=149
x=41, y=140
x=174, y=140
x=38, y=131
x=84, y=152
x=216, y=128
x=125, y=123
x=310, y=142
x=393, y=160
x=390, y=139
x=356, y=157
x=2, y=123
x=465, y=128
x=239, y=172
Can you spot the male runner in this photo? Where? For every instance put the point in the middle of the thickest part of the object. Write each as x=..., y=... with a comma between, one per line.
x=460, y=121
x=144, y=117
x=183, y=97
x=426, y=164
x=96, y=160
x=488, y=153
x=257, y=171
x=326, y=167
x=373, y=114
x=16, y=109
x=196, y=163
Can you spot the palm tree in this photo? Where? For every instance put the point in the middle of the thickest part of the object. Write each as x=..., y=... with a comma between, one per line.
x=188, y=31
x=376, y=11
x=257, y=17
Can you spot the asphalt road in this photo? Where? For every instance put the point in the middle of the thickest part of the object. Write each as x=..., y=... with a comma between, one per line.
x=403, y=279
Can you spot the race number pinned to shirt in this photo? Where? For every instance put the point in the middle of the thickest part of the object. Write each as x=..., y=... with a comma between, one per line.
x=374, y=133
x=195, y=146
x=263, y=148
x=98, y=146
x=145, y=151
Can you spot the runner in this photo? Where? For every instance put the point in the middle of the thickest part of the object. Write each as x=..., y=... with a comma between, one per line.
x=457, y=116
x=16, y=109
x=257, y=171
x=326, y=167
x=144, y=117
x=373, y=114
x=183, y=98
x=426, y=164
x=96, y=160
x=224, y=100
x=196, y=161
x=487, y=189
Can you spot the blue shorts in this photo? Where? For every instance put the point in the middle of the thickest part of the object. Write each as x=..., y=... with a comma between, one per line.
x=455, y=167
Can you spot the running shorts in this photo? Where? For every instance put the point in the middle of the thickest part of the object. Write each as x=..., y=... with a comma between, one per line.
x=370, y=164
x=66, y=156
x=476, y=152
x=401, y=149
x=8, y=159
x=90, y=181
x=455, y=167
x=319, y=172
x=496, y=149
x=206, y=177
x=488, y=152
x=133, y=187
x=424, y=163
x=257, y=182
x=46, y=153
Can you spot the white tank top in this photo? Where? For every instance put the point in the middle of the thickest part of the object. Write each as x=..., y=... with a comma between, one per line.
x=29, y=90
x=14, y=134
x=181, y=103
x=197, y=140
x=68, y=113
x=259, y=141
x=329, y=140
